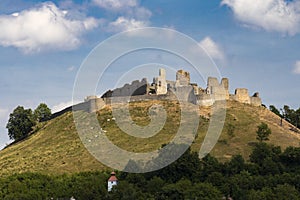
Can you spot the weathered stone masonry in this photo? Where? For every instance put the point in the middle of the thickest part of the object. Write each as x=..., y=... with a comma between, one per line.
x=181, y=89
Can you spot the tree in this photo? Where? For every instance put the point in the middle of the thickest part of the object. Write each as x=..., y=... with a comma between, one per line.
x=203, y=191
x=42, y=113
x=275, y=110
x=236, y=164
x=263, y=132
x=20, y=123
x=286, y=192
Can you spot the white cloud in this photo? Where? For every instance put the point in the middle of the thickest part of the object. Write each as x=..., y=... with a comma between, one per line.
x=271, y=15
x=43, y=27
x=297, y=67
x=130, y=14
x=212, y=48
x=116, y=5
x=63, y=105
x=71, y=68
x=124, y=24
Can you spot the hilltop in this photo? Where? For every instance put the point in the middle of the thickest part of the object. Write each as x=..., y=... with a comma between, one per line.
x=55, y=147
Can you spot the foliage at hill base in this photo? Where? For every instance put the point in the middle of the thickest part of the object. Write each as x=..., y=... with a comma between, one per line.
x=271, y=174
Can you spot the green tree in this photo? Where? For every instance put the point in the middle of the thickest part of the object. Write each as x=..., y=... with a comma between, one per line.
x=20, y=123
x=203, y=191
x=286, y=192
x=291, y=156
x=263, y=132
x=154, y=185
x=274, y=110
x=236, y=165
x=42, y=113
x=125, y=190
x=292, y=116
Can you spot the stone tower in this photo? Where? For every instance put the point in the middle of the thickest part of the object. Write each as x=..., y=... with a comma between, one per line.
x=160, y=82
x=218, y=91
x=182, y=78
x=242, y=95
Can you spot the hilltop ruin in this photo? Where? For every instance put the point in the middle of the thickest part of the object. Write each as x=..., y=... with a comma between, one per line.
x=181, y=89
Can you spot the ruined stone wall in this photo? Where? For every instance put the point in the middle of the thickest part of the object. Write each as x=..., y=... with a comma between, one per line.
x=185, y=94
x=205, y=100
x=195, y=89
x=218, y=91
x=135, y=88
x=90, y=105
x=225, y=85
x=241, y=95
x=162, y=89
x=171, y=84
x=255, y=99
x=168, y=96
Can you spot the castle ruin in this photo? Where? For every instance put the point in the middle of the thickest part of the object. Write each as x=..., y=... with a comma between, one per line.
x=181, y=89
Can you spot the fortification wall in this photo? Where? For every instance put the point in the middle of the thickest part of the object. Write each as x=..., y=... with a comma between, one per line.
x=90, y=105
x=162, y=89
x=185, y=93
x=84, y=106
x=241, y=95
x=256, y=101
x=205, y=100
x=135, y=88
x=218, y=91
x=168, y=96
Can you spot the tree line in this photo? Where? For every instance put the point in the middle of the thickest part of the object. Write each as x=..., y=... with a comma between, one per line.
x=268, y=174
x=287, y=113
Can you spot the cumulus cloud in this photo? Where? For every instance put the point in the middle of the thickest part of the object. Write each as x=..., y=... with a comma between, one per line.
x=43, y=27
x=131, y=14
x=212, y=48
x=271, y=15
x=71, y=68
x=297, y=67
x=116, y=5
x=124, y=24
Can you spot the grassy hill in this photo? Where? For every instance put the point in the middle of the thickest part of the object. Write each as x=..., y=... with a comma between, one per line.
x=55, y=147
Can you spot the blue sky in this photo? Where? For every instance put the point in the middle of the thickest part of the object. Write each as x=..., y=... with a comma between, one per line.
x=43, y=43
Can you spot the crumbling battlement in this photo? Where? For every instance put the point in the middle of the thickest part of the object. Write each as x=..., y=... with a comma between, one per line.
x=181, y=89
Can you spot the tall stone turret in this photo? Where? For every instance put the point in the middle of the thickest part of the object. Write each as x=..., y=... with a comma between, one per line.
x=160, y=82
x=182, y=78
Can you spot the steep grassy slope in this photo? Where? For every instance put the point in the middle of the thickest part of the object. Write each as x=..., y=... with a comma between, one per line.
x=245, y=119
x=55, y=147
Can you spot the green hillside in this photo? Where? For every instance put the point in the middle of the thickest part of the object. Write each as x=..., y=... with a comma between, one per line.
x=55, y=147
